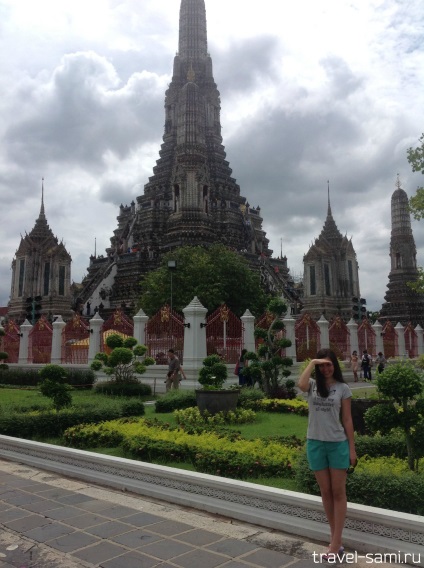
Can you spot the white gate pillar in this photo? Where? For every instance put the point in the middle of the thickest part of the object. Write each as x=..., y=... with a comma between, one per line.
x=400, y=332
x=323, y=327
x=420, y=341
x=194, y=335
x=379, y=344
x=95, y=335
x=248, y=321
x=289, y=324
x=56, y=352
x=353, y=329
x=25, y=328
x=140, y=321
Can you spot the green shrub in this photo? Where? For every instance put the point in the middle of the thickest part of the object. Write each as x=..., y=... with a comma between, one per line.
x=378, y=446
x=133, y=408
x=54, y=386
x=47, y=423
x=249, y=397
x=175, y=400
x=193, y=417
x=80, y=379
x=123, y=389
x=380, y=482
x=19, y=377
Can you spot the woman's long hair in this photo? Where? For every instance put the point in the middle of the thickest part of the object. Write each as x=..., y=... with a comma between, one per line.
x=319, y=377
x=242, y=355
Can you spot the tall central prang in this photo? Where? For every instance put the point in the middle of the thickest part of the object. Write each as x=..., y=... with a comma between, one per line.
x=191, y=198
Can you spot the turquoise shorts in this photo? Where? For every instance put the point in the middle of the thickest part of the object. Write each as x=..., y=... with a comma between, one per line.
x=322, y=455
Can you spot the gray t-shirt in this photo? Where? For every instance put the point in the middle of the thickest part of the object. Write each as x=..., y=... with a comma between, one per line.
x=324, y=413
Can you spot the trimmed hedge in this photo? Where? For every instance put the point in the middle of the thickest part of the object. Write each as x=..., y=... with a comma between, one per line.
x=123, y=389
x=208, y=451
x=50, y=423
x=77, y=378
x=384, y=482
x=175, y=400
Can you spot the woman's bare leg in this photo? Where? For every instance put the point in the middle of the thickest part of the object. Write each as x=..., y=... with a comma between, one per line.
x=338, y=488
x=323, y=478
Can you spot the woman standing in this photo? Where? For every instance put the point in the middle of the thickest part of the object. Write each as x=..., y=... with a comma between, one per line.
x=354, y=359
x=330, y=438
x=241, y=364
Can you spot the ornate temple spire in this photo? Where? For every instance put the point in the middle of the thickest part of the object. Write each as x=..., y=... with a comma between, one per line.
x=193, y=34
x=41, y=229
x=42, y=212
x=329, y=214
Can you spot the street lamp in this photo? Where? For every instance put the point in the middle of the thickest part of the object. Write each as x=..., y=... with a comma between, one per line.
x=172, y=266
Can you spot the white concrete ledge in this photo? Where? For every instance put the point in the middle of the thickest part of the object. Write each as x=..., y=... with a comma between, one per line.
x=368, y=529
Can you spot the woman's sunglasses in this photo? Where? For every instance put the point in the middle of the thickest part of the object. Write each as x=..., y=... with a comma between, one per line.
x=351, y=468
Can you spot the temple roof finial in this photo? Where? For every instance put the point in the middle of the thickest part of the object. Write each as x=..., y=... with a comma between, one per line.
x=42, y=212
x=398, y=184
x=328, y=196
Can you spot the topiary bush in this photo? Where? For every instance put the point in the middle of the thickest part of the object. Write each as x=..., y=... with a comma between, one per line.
x=53, y=385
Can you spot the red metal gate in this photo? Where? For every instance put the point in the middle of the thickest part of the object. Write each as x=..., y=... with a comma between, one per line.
x=165, y=330
x=308, y=338
x=40, y=342
x=224, y=334
x=411, y=341
x=390, y=340
x=75, y=341
x=117, y=323
x=10, y=342
x=339, y=336
x=366, y=337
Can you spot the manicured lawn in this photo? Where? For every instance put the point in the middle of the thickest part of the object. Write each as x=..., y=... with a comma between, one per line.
x=266, y=425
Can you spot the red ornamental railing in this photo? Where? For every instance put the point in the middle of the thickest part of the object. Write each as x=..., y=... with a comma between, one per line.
x=118, y=323
x=224, y=334
x=366, y=337
x=339, y=337
x=10, y=342
x=411, y=341
x=40, y=342
x=308, y=338
x=390, y=340
x=164, y=331
x=75, y=341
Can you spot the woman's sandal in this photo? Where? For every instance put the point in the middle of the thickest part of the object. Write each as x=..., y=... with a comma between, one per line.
x=331, y=555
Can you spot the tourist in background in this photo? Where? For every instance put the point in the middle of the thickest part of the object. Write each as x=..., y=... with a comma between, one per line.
x=354, y=361
x=241, y=364
x=380, y=361
x=330, y=439
x=366, y=363
x=174, y=369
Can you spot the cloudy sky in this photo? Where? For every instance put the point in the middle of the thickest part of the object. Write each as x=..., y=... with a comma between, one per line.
x=311, y=91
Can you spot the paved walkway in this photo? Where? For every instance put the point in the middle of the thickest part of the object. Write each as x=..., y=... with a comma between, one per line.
x=48, y=521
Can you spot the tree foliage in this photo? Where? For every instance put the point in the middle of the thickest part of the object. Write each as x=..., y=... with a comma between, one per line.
x=122, y=364
x=402, y=385
x=53, y=385
x=268, y=367
x=216, y=275
x=416, y=159
x=213, y=374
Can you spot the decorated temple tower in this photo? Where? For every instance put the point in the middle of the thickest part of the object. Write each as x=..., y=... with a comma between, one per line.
x=331, y=276
x=41, y=275
x=402, y=304
x=192, y=197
